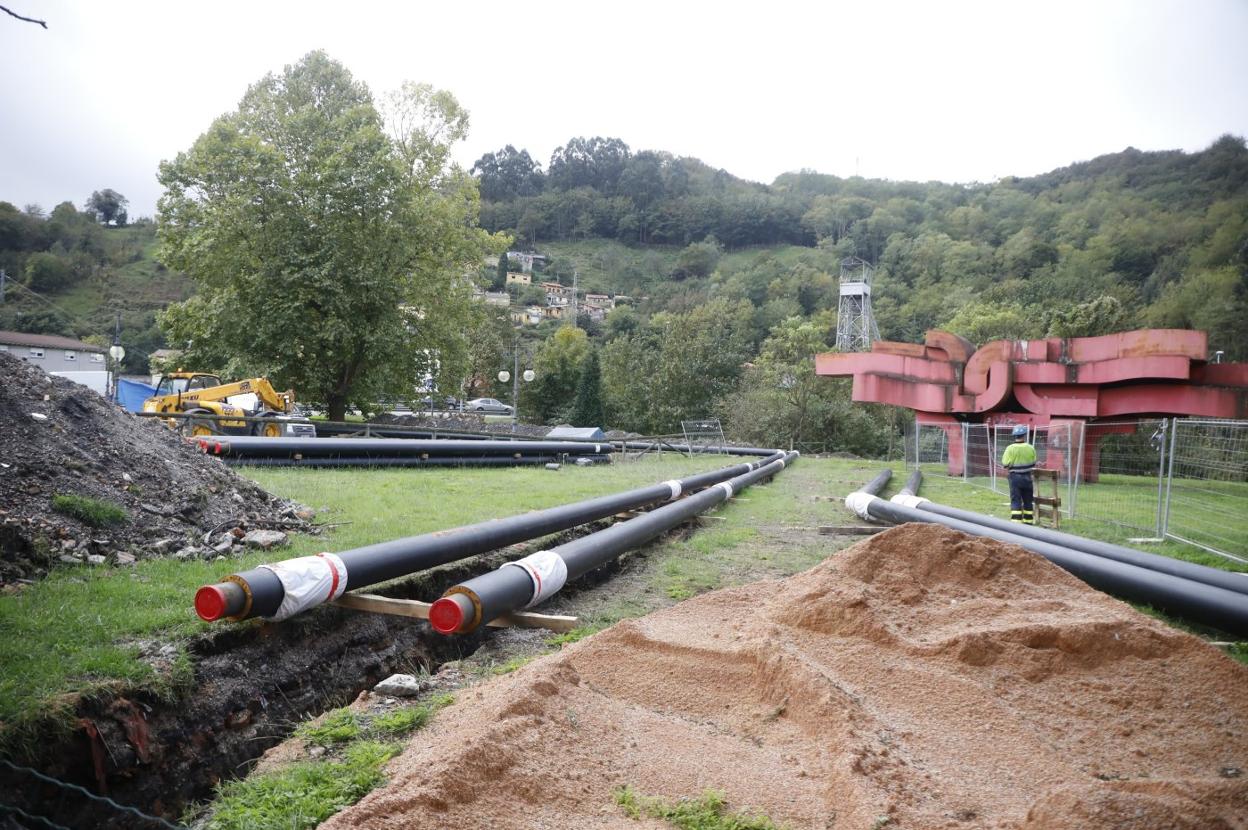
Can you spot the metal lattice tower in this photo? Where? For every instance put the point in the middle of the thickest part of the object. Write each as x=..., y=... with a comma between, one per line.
x=855, y=322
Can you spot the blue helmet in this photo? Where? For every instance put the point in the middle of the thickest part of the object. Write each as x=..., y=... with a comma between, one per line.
x=1020, y=431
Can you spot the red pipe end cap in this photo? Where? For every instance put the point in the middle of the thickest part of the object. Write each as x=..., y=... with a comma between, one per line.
x=446, y=616
x=210, y=603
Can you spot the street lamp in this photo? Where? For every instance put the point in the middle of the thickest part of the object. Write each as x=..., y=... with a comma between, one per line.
x=515, y=376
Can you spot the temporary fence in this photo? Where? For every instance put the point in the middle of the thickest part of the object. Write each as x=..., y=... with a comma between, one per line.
x=1176, y=478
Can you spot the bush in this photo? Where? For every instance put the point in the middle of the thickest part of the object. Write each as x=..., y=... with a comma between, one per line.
x=90, y=511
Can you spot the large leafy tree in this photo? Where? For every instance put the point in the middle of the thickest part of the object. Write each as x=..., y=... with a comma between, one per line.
x=109, y=206
x=508, y=174
x=328, y=254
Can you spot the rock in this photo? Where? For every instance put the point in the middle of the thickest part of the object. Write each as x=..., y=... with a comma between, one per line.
x=234, y=494
x=265, y=539
x=96, y=559
x=69, y=560
x=399, y=685
x=224, y=546
x=188, y=552
x=126, y=478
x=552, y=466
x=126, y=558
x=316, y=751
x=162, y=545
x=39, y=416
x=305, y=514
x=240, y=718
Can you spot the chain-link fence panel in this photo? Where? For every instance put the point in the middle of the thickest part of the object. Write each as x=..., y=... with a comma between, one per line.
x=1206, y=500
x=1121, y=473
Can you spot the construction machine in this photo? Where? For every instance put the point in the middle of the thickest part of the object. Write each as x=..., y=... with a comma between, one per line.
x=202, y=396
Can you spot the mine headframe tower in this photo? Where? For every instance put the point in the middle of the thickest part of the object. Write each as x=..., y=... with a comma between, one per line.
x=855, y=322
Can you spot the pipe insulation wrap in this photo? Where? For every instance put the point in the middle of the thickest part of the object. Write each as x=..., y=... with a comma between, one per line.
x=858, y=502
x=907, y=500
x=727, y=488
x=308, y=581
x=675, y=485
x=547, y=570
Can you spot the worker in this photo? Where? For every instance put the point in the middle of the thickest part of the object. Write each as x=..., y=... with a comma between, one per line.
x=1020, y=460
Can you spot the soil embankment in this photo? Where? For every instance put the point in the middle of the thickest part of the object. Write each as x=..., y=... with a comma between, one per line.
x=59, y=438
x=922, y=678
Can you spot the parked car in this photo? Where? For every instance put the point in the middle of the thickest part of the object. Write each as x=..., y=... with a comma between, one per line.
x=487, y=405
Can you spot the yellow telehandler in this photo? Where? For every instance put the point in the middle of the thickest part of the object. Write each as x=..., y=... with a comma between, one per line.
x=200, y=394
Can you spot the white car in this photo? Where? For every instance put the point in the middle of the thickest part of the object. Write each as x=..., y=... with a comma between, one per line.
x=487, y=405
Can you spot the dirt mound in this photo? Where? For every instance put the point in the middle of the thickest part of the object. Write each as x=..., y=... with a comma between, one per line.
x=920, y=679
x=58, y=438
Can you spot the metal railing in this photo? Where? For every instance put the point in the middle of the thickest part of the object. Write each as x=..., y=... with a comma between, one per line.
x=1184, y=479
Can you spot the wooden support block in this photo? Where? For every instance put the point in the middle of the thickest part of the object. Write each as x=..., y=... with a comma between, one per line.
x=849, y=530
x=420, y=610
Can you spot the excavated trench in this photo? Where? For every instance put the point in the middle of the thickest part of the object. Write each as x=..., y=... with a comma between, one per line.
x=253, y=684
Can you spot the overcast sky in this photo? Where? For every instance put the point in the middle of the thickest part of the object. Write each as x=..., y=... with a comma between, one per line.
x=901, y=90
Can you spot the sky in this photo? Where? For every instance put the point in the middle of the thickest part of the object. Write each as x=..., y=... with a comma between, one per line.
x=950, y=91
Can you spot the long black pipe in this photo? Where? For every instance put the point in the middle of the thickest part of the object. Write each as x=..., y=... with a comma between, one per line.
x=402, y=461
x=1198, y=601
x=913, y=483
x=529, y=581
x=261, y=592
x=875, y=485
x=1237, y=582
x=357, y=447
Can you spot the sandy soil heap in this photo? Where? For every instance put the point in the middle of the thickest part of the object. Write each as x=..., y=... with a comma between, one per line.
x=920, y=679
x=59, y=437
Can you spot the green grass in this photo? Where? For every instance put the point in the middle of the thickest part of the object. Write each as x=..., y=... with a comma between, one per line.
x=335, y=727
x=708, y=812
x=81, y=631
x=93, y=512
x=302, y=795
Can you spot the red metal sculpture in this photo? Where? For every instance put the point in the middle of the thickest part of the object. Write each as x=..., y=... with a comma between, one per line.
x=1046, y=383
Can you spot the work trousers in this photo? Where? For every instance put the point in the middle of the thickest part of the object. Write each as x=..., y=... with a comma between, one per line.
x=1021, y=504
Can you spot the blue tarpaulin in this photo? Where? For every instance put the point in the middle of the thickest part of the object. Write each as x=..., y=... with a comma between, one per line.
x=131, y=394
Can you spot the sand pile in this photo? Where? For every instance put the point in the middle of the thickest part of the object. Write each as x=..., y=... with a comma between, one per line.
x=921, y=679
x=58, y=437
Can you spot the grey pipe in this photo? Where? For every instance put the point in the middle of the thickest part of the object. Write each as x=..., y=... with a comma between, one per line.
x=1197, y=601
x=529, y=581
x=875, y=485
x=912, y=484
x=1162, y=564
x=253, y=447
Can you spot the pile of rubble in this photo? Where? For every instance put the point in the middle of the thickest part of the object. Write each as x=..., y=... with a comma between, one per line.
x=156, y=494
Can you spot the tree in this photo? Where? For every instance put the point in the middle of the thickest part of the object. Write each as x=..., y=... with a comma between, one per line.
x=508, y=174
x=587, y=409
x=500, y=275
x=558, y=367
x=47, y=272
x=698, y=259
x=328, y=255
x=108, y=206
x=589, y=162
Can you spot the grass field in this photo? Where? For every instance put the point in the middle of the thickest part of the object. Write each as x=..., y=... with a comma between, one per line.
x=85, y=630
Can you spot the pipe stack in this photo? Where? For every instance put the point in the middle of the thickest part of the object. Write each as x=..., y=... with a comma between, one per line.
x=1205, y=595
x=394, y=452
x=283, y=589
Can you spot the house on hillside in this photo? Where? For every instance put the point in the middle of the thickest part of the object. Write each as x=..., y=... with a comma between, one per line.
x=526, y=261
x=518, y=279
x=557, y=293
x=61, y=356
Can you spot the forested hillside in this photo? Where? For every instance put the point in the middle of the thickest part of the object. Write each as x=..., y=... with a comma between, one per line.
x=1128, y=239
x=78, y=272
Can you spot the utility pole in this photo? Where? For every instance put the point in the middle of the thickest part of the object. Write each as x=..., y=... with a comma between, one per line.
x=3, y=277
x=575, y=295
x=515, y=378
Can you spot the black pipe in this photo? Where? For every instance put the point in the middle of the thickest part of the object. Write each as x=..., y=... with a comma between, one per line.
x=1162, y=564
x=1198, y=601
x=913, y=483
x=358, y=447
x=401, y=461
x=875, y=485
x=529, y=581
x=259, y=592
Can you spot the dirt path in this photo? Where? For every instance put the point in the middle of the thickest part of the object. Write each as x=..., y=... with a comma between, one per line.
x=920, y=679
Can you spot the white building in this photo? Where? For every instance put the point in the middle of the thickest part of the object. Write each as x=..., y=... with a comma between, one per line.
x=61, y=356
